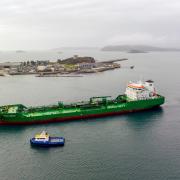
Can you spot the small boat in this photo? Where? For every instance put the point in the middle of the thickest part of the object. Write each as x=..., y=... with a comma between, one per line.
x=43, y=139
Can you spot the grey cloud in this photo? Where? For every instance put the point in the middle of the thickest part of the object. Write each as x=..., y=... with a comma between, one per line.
x=54, y=23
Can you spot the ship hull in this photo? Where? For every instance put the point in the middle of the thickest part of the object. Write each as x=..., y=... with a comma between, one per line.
x=63, y=119
x=78, y=114
x=59, y=141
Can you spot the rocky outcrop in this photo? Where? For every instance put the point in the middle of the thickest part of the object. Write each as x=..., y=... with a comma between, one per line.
x=76, y=60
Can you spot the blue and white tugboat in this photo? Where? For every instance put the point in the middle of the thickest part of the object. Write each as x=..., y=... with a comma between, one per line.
x=43, y=139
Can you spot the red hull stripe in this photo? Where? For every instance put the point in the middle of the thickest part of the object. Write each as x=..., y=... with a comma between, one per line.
x=68, y=118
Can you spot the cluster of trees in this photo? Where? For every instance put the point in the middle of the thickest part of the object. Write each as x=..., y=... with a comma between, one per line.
x=34, y=63
x=76, y=60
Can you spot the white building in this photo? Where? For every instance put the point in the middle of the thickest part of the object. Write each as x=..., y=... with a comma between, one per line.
x=140, y=90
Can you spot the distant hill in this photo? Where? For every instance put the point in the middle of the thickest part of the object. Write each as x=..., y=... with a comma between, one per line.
x=138, y=48
x=74, y=48
x=136, y=51
x=20, y=51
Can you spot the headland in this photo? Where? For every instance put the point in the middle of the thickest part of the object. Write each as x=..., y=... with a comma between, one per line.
x=72, y=65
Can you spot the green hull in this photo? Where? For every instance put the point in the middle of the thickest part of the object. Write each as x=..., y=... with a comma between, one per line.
x=19, y=114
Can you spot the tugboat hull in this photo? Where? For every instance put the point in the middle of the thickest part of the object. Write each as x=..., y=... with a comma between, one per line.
x=53, y=142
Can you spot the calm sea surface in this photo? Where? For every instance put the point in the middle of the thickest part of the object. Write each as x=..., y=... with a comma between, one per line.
x=144, y=145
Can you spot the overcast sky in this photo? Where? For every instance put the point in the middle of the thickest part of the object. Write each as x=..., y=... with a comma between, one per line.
x=46, y=24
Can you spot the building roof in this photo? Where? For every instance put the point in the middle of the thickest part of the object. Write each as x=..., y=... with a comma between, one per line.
x=149, y=81
x=134, y=85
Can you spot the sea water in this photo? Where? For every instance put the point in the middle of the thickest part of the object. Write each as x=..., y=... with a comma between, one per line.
x=143, y=145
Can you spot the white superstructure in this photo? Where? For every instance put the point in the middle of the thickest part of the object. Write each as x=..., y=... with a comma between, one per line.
x=140, y=90
x=44, y=136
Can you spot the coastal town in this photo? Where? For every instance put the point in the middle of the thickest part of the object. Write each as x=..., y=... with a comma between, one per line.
x=75, y=65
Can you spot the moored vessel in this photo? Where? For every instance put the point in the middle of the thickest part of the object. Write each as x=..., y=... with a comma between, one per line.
x=138, y=96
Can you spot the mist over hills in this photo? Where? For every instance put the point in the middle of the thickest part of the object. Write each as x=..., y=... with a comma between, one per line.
x=143, y=48
x=75, y=48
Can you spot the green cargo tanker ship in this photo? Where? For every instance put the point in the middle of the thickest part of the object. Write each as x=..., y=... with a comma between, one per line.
x=138, y=96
